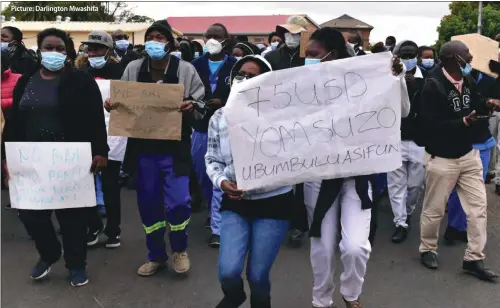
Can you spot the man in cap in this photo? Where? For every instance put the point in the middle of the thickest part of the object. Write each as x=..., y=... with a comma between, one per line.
x=289, y=54
x=99, y=52
x=101, y=65
x=123, y=49
x=451, y=109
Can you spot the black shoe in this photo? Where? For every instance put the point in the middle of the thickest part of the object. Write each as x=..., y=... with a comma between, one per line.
x=476, y=268
x=208, y=223
x=497, y=189
x=78, y=278
x=399, y=235
x=40, y=270
x=295, y=237
x=452, y=234
x=93, y=237
x=408, y=220
x=113, y=242
x=429, y=260
x=8, y=207
x=214, y=241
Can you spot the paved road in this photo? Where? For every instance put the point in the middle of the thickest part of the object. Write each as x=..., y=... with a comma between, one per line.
x=394, y=279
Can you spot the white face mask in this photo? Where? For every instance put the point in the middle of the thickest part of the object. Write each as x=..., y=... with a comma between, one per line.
x=213, y=46
x=292, y=40
x=275, y=44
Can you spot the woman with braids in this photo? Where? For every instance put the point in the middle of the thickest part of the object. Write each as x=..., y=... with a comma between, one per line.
x=339, y=206
x=21, y=60
x=58, y=104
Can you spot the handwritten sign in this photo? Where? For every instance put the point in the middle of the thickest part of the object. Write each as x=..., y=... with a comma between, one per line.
x=329, y=120
x=50, y=175
x=482, y=48
x=146, y=110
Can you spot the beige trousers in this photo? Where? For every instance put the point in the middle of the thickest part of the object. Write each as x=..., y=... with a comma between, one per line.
x=466, y=174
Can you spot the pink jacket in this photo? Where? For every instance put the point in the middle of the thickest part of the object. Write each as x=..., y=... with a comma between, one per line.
x=9, y=81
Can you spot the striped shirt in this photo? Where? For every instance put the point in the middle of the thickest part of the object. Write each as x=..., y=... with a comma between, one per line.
x=219, y=159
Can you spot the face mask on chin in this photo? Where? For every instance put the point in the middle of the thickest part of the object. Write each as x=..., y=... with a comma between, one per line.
x=292, y=41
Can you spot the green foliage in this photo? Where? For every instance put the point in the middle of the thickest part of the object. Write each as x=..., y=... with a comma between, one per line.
x=463, y=20
x=108, y=11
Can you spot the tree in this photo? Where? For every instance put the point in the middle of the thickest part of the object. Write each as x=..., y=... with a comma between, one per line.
x=463, y=20
x=108, y=11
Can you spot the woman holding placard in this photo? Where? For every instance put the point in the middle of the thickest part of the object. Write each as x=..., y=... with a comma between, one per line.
x=339, y=205
x=57, y=104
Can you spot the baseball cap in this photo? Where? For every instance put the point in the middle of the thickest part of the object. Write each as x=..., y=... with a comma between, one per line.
x=100, y=37
x=294, y=24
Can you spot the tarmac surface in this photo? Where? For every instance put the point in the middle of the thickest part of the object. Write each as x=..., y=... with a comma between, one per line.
x=395, y=277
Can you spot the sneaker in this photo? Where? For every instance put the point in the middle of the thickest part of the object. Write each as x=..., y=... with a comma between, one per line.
x=150, y=268
x=113, y=242
x=429, y=259
x=353, y=304
x=78, y=278
x=181, y=262
x=214, y=241
x=93, y=237
x=40, y=270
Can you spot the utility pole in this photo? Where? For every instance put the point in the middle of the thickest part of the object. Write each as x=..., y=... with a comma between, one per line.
x=480, y=18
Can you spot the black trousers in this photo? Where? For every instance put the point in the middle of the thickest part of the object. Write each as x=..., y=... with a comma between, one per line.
x=299, y=215
x=73, y=224
x=112, y=201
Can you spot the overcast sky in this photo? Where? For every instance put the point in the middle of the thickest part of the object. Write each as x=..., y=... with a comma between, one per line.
x=417, y=21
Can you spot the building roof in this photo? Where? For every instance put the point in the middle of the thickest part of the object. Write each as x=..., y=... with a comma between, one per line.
x=346, y=22
x=235, y=24
x=81, y=26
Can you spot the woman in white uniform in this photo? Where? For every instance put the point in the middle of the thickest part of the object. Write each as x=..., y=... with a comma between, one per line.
x=346, y=200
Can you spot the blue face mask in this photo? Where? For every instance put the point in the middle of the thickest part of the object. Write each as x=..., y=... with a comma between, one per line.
x=97, y=62
x=122, y=44
x=53, y=61
x=310, y=61
x=196, y=55
x=467, y=70
x=205, y=49
x=410, y=63
x=156, y=50
x=427, y=63
x=5, y=46
x=176, y=54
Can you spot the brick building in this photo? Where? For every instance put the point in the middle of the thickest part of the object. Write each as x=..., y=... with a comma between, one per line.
x=347, y=24
x=257, y=28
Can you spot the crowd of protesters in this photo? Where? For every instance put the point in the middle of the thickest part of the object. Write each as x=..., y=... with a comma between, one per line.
x=449, y=147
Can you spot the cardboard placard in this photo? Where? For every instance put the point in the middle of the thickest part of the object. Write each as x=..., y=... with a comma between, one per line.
x=482, y=48
x=146, y=110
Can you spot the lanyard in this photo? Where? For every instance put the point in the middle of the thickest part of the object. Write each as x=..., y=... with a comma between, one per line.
x=214, y=78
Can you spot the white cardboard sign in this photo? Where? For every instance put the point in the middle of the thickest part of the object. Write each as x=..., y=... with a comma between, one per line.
x=50, y=175
x=330, y=120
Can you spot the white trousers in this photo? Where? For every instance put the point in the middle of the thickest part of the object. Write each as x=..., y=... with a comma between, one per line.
x=354, y=227
x=406, y=183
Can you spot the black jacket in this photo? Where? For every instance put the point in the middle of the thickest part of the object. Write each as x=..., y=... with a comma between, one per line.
x=23, y=61
x=443, y=109
x=284, y=58
x=410, y=129
x=486, y=88
x=80, y=109
x=111, y=70
x=130, y=56
x=221, y=91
